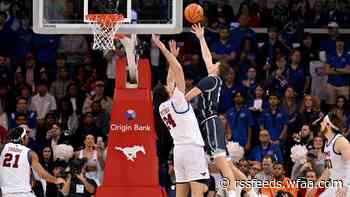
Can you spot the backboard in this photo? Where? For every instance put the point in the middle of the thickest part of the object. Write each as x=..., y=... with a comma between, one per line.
x=141, y=16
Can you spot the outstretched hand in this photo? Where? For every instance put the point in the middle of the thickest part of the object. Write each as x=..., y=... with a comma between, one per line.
x=198, y=30
x=173, y=48
x=156, y=41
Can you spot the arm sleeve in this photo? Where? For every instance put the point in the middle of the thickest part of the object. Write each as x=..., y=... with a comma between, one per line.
x=207, y=84
x=179, y=101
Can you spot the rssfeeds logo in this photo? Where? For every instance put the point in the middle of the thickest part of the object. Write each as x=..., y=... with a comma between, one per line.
x=130, y=114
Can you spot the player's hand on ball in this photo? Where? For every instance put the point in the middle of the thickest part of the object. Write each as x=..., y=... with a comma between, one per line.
x=198, y=30
x=173, y=48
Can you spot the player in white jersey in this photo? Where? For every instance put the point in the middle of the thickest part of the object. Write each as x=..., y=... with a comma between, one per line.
x=337, y=152
x=16, y=164
x=190, y=165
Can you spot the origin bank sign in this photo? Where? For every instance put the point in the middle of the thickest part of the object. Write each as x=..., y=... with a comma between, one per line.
x=129, y=115
x=119, y=127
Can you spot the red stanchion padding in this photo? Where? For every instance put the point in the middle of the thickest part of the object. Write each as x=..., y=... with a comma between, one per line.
x=131, y=168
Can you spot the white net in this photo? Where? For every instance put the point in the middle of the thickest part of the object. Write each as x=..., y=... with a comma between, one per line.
x=105, y=27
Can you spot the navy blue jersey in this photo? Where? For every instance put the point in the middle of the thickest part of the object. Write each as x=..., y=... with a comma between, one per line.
x=209, y=99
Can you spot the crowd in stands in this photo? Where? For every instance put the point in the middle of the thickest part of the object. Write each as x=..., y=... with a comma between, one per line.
x=271, y=100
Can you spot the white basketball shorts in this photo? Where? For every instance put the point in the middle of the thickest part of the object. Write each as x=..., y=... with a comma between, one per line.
x=190, y=163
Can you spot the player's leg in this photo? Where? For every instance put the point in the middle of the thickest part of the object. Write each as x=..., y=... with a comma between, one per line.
x=182, y=189
x=197, y=170
x=182, y=185
x=198, y=189
x=217, y=145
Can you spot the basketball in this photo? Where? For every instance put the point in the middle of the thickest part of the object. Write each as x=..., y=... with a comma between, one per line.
x=194, y=13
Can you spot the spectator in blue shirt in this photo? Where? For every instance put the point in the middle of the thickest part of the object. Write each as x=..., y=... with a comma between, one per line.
x=240, y=121
x=243, y=31
x=296, y=74
x=275, y=120
x=223, y=49
x=229, y=87
x=22, y=107
x=338, y=71
x=265, y=148
x=328, y=46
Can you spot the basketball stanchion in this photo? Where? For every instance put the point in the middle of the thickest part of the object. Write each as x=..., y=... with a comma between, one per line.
x=131, y=168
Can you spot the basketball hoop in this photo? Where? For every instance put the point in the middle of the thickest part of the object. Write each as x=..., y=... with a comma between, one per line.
x=104, y=26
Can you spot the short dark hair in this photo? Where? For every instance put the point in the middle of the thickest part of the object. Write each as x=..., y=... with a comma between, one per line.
x=336, y=120
x=20, y=115
x=21, y=98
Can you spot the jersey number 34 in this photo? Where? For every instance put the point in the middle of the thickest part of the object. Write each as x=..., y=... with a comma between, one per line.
x=9, y=161
x=169, y=121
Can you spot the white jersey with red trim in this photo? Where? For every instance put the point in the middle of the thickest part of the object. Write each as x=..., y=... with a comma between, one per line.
x=338, y=165
x=179, y=117
x=15, y=169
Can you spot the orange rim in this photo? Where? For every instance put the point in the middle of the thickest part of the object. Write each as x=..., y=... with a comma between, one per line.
x=106, y=19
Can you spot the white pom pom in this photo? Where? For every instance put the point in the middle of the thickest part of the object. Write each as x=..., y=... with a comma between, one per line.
x=299, y=154
x=63, y=152
x=235, y=151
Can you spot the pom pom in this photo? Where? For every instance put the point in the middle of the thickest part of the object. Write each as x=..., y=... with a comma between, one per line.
x=299, y=154
x=63, y=152
x=235, y=151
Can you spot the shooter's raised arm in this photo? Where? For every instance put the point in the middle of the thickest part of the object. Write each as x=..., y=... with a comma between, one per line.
x=198, y=30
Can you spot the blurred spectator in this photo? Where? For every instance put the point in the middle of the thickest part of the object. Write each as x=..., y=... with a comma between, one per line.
x=259, y=102
x=250, y=83
x=297, y=74
x=8, y=38
x=75, y=48
x=67, y=118
x=300, y=169
x=59, y=87
x=338, y=71
x=101, y=117
x=229, y=88
x=30, y=71
x=4, y=97
x=275, y=120
x=278, y=173
x=88, y=126
x=280, y=13
x=22, y=106
x=309, y=111
x=3, y=134
x=265, y=148
x=316, y=17
x=243, y=31
x=194, y=69
x=310, y=176
x=223, y=49
x=251, y=12
x=74, y=95
x=43, y=102
x=240, y=121
x=342, y=110
x=328, y=46
x=268, y=52
x=98, y=95
x=224, y=9
x=266, y=173
x=55, y=136
x=317, y=151
x=308, y=50
x=246, y=57
x=45, y=47
x=5, y=70
x=291, y=106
